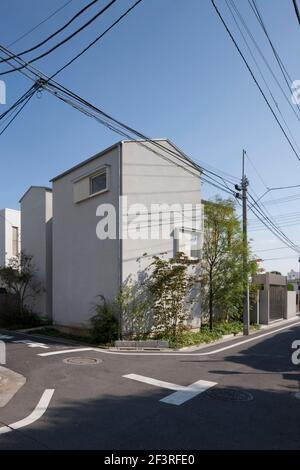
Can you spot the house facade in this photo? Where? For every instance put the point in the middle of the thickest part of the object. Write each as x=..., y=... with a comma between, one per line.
x=10, y=234
x=111, y=214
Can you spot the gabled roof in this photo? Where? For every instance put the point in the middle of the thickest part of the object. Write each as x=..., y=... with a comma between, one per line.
x=117, y=144
x=46, y=188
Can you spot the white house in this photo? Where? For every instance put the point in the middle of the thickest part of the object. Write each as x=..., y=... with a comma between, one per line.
x=10, y=223
x=134, y=197
x=36, y=220
x=84, y=265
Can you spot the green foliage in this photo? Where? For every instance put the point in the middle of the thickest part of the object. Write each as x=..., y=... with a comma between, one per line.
x=206, y=335
x=19, y=278
x=134, y=307
x=223, y=250
x=170, y=285
x=290, y=287
x=12, y=318
x=104, y=325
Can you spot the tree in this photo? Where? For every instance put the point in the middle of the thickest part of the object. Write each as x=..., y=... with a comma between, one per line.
x=222, y=261
x=133, y=306
x=19, y=278
x=170, y=284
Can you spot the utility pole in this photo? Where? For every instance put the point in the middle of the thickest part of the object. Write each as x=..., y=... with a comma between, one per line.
x=243, y=188
x=246, y=310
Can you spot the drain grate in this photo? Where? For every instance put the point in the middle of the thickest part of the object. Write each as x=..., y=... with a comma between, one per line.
x=228, y=394
x=82, y=361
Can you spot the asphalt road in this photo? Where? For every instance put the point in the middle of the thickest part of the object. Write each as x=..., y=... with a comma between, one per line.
x=93, y=406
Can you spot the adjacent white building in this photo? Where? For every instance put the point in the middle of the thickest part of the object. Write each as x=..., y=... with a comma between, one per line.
x=10, y=230
x=36, y=220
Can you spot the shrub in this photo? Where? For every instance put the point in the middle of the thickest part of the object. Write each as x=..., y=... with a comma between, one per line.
x=135, y=311
x=104, y=325
x=171, y=286
x=19, y=279
x=12, y=317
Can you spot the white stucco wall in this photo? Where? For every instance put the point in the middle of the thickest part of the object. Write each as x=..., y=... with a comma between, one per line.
x=36, y=215
x=8, y=218
x=291, y=309
x=83, y=265
x=148, y=178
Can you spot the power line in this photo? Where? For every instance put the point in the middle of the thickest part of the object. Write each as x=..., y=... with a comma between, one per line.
x=44, y=80
x=282, y=257
x=258, y=15
x=17, y=103
x=68, y=38
x=39, y=24
x=272, y=249
x=260, y=214
x=117, y=126
x=296, y=10
x=42, y=76
x=244, y=24
x=97, y=39
x=254, y=78
x=283, y=200
x=18, y=112
x=80, y=12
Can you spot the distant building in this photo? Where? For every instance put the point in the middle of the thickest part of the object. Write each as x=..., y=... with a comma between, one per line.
x=10, y=228
x=294, y=279
x=36, y=219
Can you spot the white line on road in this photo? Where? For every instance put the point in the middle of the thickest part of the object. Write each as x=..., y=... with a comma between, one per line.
x=156, y=383
x=66, y=351
x=34, y=416
x=189, y=392
x=182, y=393
x=167, y=354
x=31, y=344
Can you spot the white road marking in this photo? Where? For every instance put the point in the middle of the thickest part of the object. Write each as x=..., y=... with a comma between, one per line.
x=166, y=354
x=182, y=393
x=6, y=337
x=34, y=416
x=156, y=383
x=31, y=344
x=189, y=392
x=66, y=351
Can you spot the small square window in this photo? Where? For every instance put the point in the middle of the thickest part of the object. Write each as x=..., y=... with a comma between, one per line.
x=189, y=243
x=98, y=183
x=15, y=241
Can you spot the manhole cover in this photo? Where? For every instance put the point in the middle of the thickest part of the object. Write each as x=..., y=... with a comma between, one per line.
x=82, y=361
x=228, y=394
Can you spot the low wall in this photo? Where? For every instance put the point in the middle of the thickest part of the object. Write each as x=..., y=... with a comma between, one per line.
x=291, y=309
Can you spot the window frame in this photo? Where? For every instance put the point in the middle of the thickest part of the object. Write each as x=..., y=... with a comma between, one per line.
x=103, y=171
x=15, y=240
x=191, y=231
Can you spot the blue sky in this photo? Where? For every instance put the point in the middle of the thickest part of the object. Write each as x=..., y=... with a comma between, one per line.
x=169, y=70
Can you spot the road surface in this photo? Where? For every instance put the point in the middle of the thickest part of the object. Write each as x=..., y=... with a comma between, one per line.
x=236, y=395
